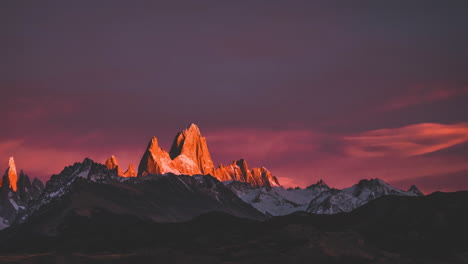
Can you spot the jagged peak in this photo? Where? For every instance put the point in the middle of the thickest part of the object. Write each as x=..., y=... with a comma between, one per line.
x=320, y=183
x=191, y=133
x=242, y=163
x=193, y=128
x=87, y=161
x=378, y=181
x=130, y=171
x=11, y=163
x=37, y=180
x=153, y=144
x=415, y=190
x=111, y=162
x=189, y=155
x=12, y=175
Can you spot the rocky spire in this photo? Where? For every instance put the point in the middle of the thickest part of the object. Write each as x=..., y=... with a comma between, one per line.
x=11, y=174
x=190, y=144
x=239, y=171
x=130, y=171
x=319, y=184
x=155, y=160
x=189, y=155
x=263, y=177
x=113, y=164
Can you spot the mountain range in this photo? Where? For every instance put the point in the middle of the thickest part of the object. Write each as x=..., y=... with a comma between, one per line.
x=178, y=202
x=185, y=174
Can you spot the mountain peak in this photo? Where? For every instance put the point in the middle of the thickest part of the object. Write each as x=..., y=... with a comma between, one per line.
x=12, y=175
x=155, y=160
x=130, y=171
x=193, y=128
x=112, y=164
x=242, y=164
x=190, y=145
x=415, y=190
x=189, y=155
x=153, y=145
x=320, y=184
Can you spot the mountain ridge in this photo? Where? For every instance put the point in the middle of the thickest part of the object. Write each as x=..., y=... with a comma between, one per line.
x=189, y=155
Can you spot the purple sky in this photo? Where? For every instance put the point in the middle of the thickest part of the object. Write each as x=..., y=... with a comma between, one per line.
x=334, y=90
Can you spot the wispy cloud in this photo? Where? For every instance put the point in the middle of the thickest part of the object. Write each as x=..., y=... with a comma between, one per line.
x=422, y=94
x=409, y=140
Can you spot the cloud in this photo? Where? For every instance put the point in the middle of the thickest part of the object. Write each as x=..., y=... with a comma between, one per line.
x=422, y=95
x=406, y=141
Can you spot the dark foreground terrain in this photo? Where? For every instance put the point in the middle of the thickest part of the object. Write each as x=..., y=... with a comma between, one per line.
x=391, y=229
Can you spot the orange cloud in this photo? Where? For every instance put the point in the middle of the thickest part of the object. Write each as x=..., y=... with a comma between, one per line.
x=406, y=141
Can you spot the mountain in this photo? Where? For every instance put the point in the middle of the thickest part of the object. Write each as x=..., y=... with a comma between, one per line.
x=276, y=200
x=190, y=144
x=239, y=171
x=16, y=193
x=336, y=201
x=333, y=201
x=12, y=176
x=88, y=187
x=318, y=198
x=130, y=172
x=415, y=190
x=112, y=164
x=189, y=155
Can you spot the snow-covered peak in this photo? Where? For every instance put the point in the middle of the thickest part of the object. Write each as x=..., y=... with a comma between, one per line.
x=370, y=189
x=319, y=184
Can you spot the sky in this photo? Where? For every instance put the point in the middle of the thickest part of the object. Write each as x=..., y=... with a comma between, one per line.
x=312, y=90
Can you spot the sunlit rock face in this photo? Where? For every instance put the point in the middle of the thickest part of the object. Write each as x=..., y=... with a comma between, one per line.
x=12, y=176
x=189, y=155
x=155, y=160
x=130, y=171
x=112, y=164
x=239, y=171
x=190, y=146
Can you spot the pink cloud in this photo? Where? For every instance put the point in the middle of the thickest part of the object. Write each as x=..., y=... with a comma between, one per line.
x=409, y=140
x=422, y=94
